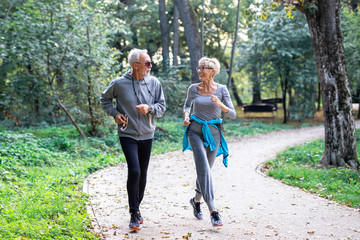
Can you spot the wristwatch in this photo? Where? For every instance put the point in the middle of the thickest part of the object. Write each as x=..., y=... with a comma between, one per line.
x=150, y=108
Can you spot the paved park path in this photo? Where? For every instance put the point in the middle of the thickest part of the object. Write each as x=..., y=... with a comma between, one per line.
x=252, y=205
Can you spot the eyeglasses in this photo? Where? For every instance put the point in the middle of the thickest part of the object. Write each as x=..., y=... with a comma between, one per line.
x=147, y=64
x=202, y=68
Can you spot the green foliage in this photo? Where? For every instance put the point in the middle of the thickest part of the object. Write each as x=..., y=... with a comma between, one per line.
x=300, y=166
x=67, y=131
x=279, y=52
x=351, y=33
x=236, y=128
x=71, y=50
x=175, y=91
x=52, y=50
x=42, y=171
x=41, y=182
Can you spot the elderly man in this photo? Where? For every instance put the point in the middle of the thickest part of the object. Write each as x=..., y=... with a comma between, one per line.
x=139, y=98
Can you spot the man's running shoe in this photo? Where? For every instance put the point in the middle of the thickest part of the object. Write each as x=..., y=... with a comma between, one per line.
x=196, y=207
x=134, y=221
x=215, y=219
x=141, y=220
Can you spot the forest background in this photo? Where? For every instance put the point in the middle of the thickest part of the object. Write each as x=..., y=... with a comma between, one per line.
x=57, y=57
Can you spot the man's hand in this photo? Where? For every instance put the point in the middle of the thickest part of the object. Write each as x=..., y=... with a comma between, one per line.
x=120, y=118
x=143, y=108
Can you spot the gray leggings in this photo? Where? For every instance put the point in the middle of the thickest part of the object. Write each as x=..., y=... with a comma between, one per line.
x=204, y=160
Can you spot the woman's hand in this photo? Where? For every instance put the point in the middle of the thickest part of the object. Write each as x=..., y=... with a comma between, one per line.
x=215, y=100
x=187, y=121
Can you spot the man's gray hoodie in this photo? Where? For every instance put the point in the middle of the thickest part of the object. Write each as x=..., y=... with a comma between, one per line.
x=129, y=93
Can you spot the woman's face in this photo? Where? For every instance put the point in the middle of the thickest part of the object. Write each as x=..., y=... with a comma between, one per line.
x=205, y=72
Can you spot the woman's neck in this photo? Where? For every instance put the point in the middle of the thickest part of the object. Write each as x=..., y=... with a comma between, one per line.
x=206, y=85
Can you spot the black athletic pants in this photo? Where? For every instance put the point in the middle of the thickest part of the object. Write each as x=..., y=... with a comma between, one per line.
x=137, y=154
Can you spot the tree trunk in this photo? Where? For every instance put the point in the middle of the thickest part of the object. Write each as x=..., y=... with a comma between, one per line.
x=164, y=29
x=236, y=95
x=93, y=120
x=291, y=101
x=256, y=96
x=233, y=87
x=202, y=27
x=340, y=137
x=358, y=116
x=191, y=25
x=71, y=118
x=176, y=36
x=234, y=44
x=284, y=87
x=256, y=84
x=319, y=96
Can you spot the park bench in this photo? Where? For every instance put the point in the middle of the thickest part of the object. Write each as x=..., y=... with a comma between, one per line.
x=260, y=107
x=273, y=101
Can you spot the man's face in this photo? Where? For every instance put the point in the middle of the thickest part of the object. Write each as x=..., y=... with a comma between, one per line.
x=143, y=66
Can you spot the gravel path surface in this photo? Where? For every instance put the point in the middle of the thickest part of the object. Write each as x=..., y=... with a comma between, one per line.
x=252, y=205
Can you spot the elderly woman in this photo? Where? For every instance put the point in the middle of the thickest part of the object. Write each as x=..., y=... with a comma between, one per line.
x=203, y=133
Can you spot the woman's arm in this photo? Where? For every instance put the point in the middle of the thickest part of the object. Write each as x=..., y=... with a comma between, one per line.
x=187, y=106
x=227, y=105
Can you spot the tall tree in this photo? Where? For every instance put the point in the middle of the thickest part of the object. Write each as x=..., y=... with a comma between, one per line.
x=175, y=46
x=234, y=44
x=191, y=25
x=323, y=17
x=165, y=40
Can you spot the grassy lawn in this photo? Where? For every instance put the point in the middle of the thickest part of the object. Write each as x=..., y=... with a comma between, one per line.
x=42, y=171
x=300, y=166
x=41, y=176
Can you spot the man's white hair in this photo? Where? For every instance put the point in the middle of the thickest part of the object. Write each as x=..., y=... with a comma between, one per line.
x=134, y=55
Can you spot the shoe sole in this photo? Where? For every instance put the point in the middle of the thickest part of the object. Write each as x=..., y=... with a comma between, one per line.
x=218, y=225
x=135, y=228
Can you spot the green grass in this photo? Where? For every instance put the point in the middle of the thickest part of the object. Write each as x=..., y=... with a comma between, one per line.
x=300, y=166
x=42, y=171
x=41, y=181
x=237, y=128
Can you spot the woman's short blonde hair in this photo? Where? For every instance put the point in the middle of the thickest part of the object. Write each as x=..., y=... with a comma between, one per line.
x=211, y=63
